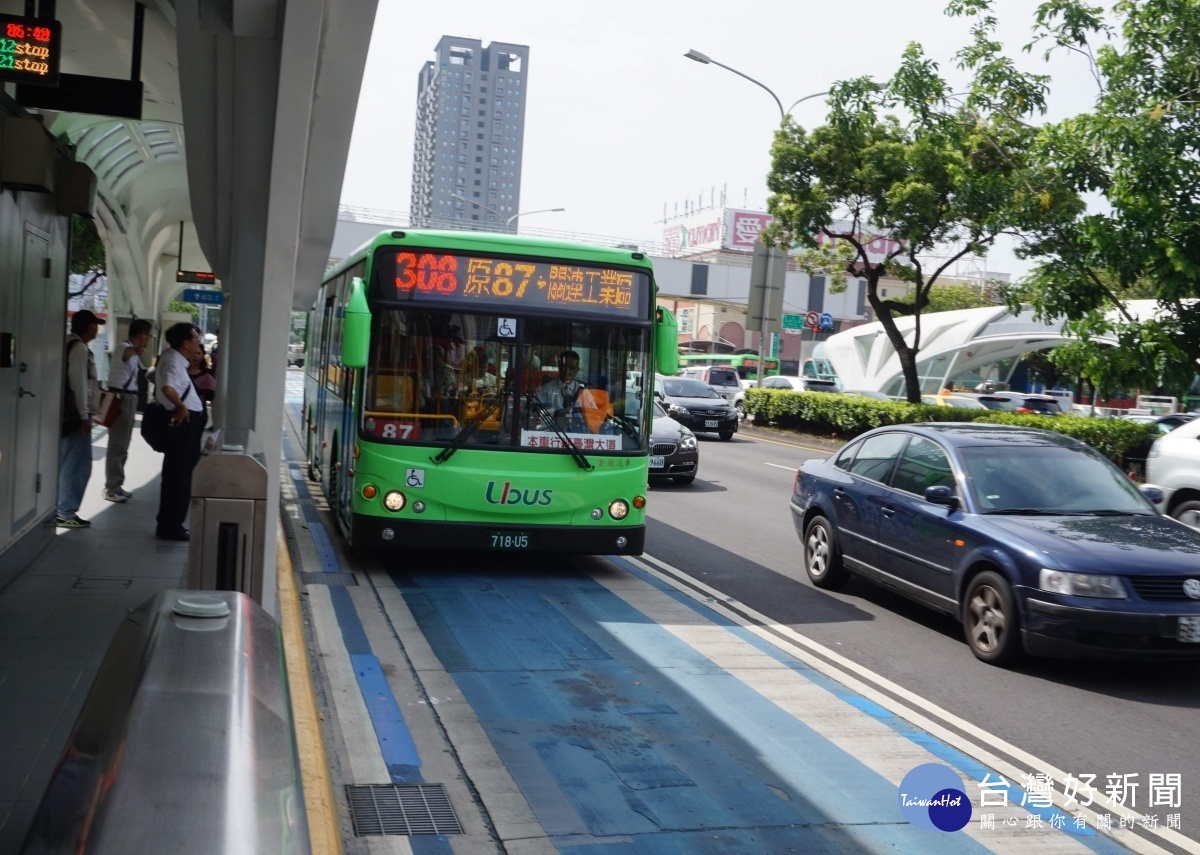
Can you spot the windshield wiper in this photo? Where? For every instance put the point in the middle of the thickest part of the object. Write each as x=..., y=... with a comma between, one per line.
x=460, y=439
x=1109, y=512
x=547, y=417
x=626, y=426
x=1031, y=512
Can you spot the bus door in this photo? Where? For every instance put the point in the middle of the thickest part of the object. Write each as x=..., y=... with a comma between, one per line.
x=322, y=433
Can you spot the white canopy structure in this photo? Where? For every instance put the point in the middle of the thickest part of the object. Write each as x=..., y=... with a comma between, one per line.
x=952, y=344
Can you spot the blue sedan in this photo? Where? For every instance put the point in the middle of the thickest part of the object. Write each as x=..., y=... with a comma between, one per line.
x=1034, y=540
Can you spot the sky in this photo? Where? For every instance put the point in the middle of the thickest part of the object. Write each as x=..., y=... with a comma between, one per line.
x=621, y=128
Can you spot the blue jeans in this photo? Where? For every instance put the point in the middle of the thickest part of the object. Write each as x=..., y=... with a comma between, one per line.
x=74, y=470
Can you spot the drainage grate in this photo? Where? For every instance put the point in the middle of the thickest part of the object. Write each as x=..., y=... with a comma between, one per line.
x=335, y=579
x=402, y=809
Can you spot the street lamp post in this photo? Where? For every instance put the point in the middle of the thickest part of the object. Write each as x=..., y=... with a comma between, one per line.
x=509, y=220
x=765, y=332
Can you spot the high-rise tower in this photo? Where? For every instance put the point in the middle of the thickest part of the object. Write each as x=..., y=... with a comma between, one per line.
x=469, y=135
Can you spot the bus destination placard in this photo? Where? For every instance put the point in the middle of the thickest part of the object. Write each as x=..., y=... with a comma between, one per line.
x=504, y=283
x=30, y=49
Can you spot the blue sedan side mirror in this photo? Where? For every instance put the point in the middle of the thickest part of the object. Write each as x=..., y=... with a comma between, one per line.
x=941, y=496
x=1152, y=493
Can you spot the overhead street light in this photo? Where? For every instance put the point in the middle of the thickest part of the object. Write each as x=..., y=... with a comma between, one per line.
x=509, y=220
x=765, y=332
x=705, y=59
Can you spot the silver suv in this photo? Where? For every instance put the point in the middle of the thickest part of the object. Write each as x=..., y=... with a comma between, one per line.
x=724, y=381
x=1173, y=465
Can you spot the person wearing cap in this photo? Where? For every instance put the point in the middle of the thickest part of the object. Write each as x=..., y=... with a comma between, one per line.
x=122, y=379
x=81, y=397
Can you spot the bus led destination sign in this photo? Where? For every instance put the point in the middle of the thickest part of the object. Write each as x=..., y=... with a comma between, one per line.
x=29, y=50
x=513, y=283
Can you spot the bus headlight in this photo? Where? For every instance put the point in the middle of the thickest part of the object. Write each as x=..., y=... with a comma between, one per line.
x=618, y=509
x=394, y=501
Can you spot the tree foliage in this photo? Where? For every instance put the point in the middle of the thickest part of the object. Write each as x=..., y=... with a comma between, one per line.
x=948, y=174
x=88, y=257
x=1137, y=152
x=950, y=297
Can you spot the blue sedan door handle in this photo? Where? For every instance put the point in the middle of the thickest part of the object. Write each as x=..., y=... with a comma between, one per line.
x=887, y=510
x=839, y=492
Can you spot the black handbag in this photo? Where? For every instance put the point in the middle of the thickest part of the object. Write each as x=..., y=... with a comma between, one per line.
x=156, y=421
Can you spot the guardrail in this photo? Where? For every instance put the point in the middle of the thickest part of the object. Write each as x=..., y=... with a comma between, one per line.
x=185, y=742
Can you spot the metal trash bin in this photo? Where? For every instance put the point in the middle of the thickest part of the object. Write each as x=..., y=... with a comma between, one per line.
x=229, y=518
x=185, y=743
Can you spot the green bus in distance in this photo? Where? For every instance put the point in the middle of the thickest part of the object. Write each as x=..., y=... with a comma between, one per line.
x=745, y=364
x=472, y=390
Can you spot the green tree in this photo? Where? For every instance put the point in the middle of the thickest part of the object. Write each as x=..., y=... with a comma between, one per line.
x=947, y=298
x=88, y=257
x=948, y=174
x=1136, y=152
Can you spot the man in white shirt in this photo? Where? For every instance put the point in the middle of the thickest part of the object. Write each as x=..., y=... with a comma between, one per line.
x=559, y=394
x=173, y=389
x=122, y=379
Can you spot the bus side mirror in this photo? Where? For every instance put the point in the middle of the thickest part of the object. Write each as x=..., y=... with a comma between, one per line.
x=666, y=342
x=356, y=327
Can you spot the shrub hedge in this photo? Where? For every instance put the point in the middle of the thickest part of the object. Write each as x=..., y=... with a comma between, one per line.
x=846, y=416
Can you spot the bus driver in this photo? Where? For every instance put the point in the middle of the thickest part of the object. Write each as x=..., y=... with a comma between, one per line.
x=559, y=394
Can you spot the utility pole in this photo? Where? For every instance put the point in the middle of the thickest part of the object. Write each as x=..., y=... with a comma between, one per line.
x=765, y=304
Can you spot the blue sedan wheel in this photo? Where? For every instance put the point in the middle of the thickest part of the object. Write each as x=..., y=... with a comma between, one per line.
x=822, y=561
x=990, y=619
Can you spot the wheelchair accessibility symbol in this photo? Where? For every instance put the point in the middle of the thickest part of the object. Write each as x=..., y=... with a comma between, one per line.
x=414, y=478
x=506, y=327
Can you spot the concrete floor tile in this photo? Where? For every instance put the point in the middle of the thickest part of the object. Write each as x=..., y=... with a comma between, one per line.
x=51, y=685
x=63, y=653
x=12, y=650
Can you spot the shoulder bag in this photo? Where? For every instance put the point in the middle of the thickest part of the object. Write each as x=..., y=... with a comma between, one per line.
x=156, y=423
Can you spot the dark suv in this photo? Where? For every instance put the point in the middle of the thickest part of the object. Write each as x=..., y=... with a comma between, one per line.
x=1015, y=402
x=696, y=405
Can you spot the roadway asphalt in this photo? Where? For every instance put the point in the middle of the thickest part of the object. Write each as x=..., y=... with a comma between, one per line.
x=1097, y=718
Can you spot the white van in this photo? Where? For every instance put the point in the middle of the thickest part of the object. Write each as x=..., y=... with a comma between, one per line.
x=723, y=379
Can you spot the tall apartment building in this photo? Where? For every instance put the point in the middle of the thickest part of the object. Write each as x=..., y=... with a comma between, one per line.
x=469, y=135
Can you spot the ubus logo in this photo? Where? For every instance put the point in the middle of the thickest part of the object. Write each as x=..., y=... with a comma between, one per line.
x=507, y=494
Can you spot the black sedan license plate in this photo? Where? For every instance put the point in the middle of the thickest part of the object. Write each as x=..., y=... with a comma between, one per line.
x=1189, y=629
x=510, y=540
x=658, y=461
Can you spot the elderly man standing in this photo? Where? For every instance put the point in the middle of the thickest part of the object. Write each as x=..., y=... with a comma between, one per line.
x=173, y=389
x=81, y=396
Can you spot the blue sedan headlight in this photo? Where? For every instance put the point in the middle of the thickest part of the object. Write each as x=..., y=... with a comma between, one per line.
x=1082, y=584
x=687, y=442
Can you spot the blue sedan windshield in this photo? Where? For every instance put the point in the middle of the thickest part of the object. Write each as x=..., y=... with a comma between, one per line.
x=1009, y=479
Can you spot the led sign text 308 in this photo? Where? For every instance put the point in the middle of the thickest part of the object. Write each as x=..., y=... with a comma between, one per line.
x=503, y=282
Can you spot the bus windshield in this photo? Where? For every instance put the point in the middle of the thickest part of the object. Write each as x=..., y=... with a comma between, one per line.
x=471, y=380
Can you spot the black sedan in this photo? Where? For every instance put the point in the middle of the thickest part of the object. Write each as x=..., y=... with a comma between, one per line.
x=673, y=451
x=696, y=405
x=1035, y=541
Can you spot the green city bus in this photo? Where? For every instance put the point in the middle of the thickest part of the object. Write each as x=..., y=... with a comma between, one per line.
x=435, y=409
x=746, y=364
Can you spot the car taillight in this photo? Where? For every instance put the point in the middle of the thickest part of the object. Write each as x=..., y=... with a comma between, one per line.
x=796, y=483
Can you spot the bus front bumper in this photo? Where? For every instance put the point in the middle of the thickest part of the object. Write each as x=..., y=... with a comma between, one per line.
x=578, y=540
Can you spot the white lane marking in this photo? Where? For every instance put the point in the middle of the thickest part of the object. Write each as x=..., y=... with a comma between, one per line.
x=889, y=754
x=777, y=466
x=873, y=687
x=358, y=732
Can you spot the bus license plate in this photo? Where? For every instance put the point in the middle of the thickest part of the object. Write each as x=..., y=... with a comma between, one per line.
x=510, y=540
x=711, y=422
x=657, y=461
x=1189, y=629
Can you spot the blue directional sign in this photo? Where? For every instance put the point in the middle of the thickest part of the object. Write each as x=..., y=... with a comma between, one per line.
x=825, y=321
x=200, y=295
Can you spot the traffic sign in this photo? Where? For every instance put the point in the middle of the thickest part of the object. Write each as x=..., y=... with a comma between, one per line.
x=811, y=319
x=200, y=295
x=775, y=344
x=792, y=321
x=826, y=321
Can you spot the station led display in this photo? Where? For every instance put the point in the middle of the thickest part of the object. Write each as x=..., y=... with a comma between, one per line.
x=30, y=49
